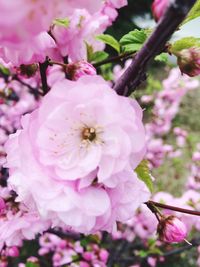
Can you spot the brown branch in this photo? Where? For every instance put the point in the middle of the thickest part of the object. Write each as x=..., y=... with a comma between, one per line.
x=155, y=44
x=113, y=59
x=43, y=69
x=169, y=207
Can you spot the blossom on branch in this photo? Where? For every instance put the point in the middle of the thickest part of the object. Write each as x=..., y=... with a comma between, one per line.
x=75, y=155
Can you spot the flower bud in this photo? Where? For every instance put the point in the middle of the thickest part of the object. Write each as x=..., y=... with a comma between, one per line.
x=79, y=69
x=158, y=8
x=189, y=61
x=13, y=252
x=171, y=230
x=27, y=70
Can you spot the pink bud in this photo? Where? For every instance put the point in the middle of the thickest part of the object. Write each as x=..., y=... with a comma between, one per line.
x=171, y=230
x=189, y=61
x=88, y=256
x=103, y=255
x=83, y=264
x=13, y=252
x=78, y=69
x=158, y=8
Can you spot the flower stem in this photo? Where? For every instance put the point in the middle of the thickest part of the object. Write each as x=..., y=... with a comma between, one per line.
x=113, y=59
x=151, y=203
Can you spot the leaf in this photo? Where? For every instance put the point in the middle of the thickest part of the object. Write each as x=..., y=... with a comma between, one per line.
x=4, y=70
x=62, y=22
x=109, y=40
x=90, y=52
x=106, y=71
x=143, y=173
x=194, y=12
x=184, y=43
x=163, y=57
x=98, y=56
x=32, y=264
x=133, y=41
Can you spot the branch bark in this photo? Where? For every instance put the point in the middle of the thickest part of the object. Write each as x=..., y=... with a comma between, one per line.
x=152, y=204
x=43, y=69
x=155, y=44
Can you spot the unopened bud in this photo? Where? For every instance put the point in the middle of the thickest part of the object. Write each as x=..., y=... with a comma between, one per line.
x=171, y=229
x=78, y=69
x=13, y=252
x=158, y=8
x=189, y=61
x=27, y=70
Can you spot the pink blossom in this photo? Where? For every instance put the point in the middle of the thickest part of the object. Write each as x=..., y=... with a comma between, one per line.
x=85, y=144
x=78, y=69
x=36, y=48
x=19, y=226
x=171, y=230
x=83, y=28
x=159, y=7
x=13, y=252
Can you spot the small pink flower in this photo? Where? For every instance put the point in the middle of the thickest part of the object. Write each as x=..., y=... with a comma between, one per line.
x=13, y=252
x=78, y=69
x=103, y=255
x=158, y=8
x=171, y=229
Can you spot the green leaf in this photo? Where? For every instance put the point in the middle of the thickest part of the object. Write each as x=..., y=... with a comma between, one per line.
x=109, y=40
x=184, y=43
x=90, y=52
x=106, y=71
x=62, y=22
x=4, y=70
x=32, y=264
x=98, y=56
x=163, y=57
x=143, y=173
x=194, y=12
x=133, y=41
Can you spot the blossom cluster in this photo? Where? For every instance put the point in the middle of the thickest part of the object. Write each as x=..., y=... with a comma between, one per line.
x=54, y=29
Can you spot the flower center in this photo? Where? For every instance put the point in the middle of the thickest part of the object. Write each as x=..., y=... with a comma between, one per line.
x=89, y=134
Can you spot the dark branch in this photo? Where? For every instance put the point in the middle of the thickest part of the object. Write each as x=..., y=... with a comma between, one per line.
x=135, y=74
x=113, y=59
x=43, y=68
x=168, y=207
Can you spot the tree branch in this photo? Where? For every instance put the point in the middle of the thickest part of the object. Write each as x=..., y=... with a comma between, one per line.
x=155, y=44
x=151, y=203
x=43, y=68
x=113, y=59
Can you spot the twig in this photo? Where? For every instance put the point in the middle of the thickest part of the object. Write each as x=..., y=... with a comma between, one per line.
x=32, y=90
x=135, y=73
x=113, y=59
x=169, y=207
x=43, y=68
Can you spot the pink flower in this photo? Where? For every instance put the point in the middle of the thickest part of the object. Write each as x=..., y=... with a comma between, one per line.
x=78, y=69
x=171, y=229
x=36, y=48
x=158, y=8
x=82, y=144
x=13, y=252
